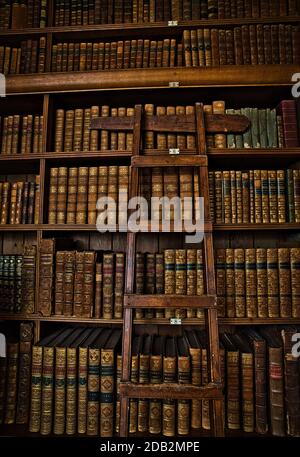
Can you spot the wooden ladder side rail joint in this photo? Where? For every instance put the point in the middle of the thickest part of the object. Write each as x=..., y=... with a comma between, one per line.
x=170, y=301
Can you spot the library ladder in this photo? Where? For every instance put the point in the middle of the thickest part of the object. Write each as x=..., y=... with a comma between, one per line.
x=198, y=124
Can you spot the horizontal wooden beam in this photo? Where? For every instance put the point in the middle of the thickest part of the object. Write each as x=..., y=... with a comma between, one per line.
x=211, y=391
x=214, y=123
x=170, y=301
x=169, y=161
x=229, y=75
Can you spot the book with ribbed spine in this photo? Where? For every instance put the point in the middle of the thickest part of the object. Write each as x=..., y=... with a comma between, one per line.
x=169, y=376
x=295, y=275
x=24, y=376
x=156, y=365
x=46, y=266
x=273, y=283
x=184, y=370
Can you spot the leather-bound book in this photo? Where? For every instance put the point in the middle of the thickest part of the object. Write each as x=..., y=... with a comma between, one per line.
x=119, y=284
x=94, y=134
x=229, y=36
x=93, y=399
x=156, y=376
x=273, y=282
x=24, y=375
x=19, y=203
x=37, y=200
x=82, y=196
x=276, y=381
x=253, y=44
x=31, y=203
x=137, y=344
x=170, y=277
x=83, y=379
x=195, y=354
x=171, y=137
x=230, y=283
x=288, y=44
x=139, y=281
x=98, y=290
x=59, y=282
x=46, y=267
x=281, y=195
x=220, y=139
x=123, y=184
x=215, y=50
x=144, y=378
x=258, y=345
x=184, y=372
x=72, y=195
x=36, y=381
x=207, y=47
x=239, y=276
x=262, y=282
x=159, y=280
x=295, y=44
x=61, y=382
x=291, y=375
x=247, y=382
x=47, y=403
x=108, y=285
x=296, y=194
x=290, y=195
x=275, y=44
x=53, y=195
x=267, y=44
x=200, y=45
x=86, y=129
x=295, y=281
x=273, y=205
x=180, y=278
x=92, y=194
x=246, y=45
x=251, y=283
x=107, y=383
x=13, y=203
x=202, y=337
x=88, y=284
x=226, y=197
x=285, y=290
x=18, y=284
x=251, y=196
x=169, y=376
x=238, y=49
x=233, y=388
x=265, y=197
x=191, y=277
x=287, y=109
x=68, y=284
x=150, y=281
x=28, y=279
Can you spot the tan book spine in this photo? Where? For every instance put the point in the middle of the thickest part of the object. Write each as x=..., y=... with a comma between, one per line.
x=93, y=392
x=191, y=277
x=36, y=389
x=251, y=281
x=62, y=189
x=107, y=387
x=262, y=282
x=273, y=289
x=285, y=291
x=92, y=194
x=180, y=279
x=47, y=391
x=295, y=276
x=59, y=391
x=170, y=278
x=200, y=279
x=82, y=389
x=72, y=195
x=71, y=391
x=81, y=206
x=94, y=136
x=230, y=283
x=239, y=276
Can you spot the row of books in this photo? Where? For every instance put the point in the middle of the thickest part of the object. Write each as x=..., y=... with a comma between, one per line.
x=137, y=11
x=270, y=128
x=117, y=55
x=74, y=192
x=245, y=45
x=22, y=134
x=17, y=281
x=88, y=285
x=258, y=282
x=255, y=196
x=23, y=13
x=20, y=202
x=69, y=381
x=30, y=57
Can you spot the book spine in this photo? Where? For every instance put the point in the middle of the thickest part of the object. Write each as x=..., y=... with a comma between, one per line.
x=276, y=391
x=36, y=389
x=284, y=273
x=273, y=290
x=71, y=391
x=295, y=275
x=47, y=391
x=24, y=375
x=251, y=281
x=59, y=391
x=93, y=392
x=107, y=393
x=82, y=390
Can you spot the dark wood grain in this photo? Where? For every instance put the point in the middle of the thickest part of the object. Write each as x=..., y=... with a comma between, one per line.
x=176, y=391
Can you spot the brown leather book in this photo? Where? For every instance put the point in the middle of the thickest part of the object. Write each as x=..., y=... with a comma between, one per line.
x=62, y=189
x=273, y=283
x=276, y=381
x=239, y=277
x=169, y=376
x=258, y=345
x=139, y=281
x=156, y=374
x=81, y=207
x=285, y=291
x=195, y=353
x=247, y=384
x=144, y=378
x=134, y=378
x=184, y=372
x=233, y=387
x=108, y=283
x=24, y=375
x=46, y=267
x=28, y=279
x=295, y=275
x=59, y=282
x=119, y=284
x=53, y=190
x=98, y=290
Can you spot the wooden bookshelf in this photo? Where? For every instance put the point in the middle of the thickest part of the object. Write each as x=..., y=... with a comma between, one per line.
x=45, y=92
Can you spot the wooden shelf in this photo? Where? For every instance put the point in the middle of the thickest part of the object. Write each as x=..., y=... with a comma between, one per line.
x=19, y=228
x=66, y=319
x=177, y=391
x=254, y=153
x=256, y=227
x=150, y=78
x=260, y=321
x=155, y=28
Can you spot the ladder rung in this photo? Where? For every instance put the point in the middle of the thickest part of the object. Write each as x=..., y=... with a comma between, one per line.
x=169, y=161
x=170, y=301
x=147, y=226
x=212, y=391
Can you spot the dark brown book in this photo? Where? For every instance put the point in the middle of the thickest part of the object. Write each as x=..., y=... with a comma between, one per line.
x=24, y=374
x=46, y=267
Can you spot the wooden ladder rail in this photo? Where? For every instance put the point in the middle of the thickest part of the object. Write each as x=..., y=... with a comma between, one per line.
x=129, y=278
x=211, y=317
